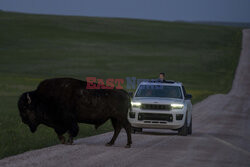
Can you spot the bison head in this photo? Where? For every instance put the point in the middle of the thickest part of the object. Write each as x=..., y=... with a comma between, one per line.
x=27, y=110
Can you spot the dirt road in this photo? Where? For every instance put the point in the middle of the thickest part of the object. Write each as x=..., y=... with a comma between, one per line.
x=221, y=126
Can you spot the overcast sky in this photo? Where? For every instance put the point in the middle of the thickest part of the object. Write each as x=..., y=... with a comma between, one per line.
x=186, y=10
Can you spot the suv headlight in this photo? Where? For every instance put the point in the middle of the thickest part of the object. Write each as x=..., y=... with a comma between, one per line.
x=177, y=106
x=136, y=104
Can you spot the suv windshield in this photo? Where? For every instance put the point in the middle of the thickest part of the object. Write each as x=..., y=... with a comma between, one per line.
x=159, y=91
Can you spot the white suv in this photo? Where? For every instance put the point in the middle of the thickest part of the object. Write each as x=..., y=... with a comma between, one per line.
x=161, y=105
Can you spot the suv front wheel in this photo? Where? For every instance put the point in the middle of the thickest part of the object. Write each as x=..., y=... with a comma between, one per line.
x=190, y=128
x=134, y=129
x=183, y=131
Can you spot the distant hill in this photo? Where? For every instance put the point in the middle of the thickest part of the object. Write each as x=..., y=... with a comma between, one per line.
x=232, y=24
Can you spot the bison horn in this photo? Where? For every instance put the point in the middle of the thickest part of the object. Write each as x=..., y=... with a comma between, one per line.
x=29, y=99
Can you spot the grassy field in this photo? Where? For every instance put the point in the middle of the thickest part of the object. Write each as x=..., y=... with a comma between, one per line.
x=36, y=47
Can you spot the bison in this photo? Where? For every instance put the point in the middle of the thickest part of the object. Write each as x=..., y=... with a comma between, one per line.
x=62, y=103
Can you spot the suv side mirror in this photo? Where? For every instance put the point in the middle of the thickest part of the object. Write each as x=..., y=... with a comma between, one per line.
x=188, y=96
x=131, y=94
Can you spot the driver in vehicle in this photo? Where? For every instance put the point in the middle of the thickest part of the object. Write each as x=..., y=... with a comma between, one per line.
x=172, y=93
x=149, y=93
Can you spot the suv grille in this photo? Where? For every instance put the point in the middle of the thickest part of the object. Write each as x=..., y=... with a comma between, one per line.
x=156, y=107
x=160, y=117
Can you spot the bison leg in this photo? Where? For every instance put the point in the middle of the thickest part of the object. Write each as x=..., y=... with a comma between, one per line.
x=117, y=128
x=127, y=127
x=60, y=136
x=73, y=131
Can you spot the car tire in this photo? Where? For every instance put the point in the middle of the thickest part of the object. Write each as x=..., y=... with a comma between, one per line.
x=134, y=129
x=139, y=130
x=190, y=128
x=183, y=131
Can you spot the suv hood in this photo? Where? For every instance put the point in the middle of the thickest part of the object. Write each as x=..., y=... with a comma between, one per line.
x=156, y=100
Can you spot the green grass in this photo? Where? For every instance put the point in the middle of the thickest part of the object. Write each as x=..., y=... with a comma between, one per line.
x=36, y=47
